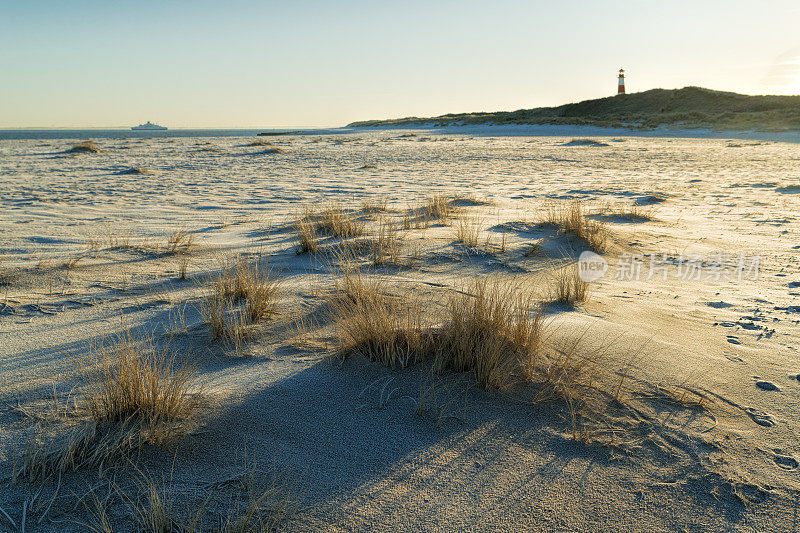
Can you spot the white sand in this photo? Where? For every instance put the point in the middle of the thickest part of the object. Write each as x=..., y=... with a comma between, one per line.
x=347, y=436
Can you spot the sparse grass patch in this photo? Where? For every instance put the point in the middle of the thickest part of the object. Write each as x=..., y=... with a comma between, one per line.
x=337, y=222
x=413, y=220
x=238, y=280
x=306, y=236
x=72, y=262
x=183, y=267
x=180, y=241
x=438, y=207
x=48, y=453
x=333, y=221
x=118, y=242
x=567, y=286
x=372, y=205
x=385, y=246
x=259, y=142
x=632, y=213
x=496, y=333
x=571, y=218
x=467, y=231
x=250, y=502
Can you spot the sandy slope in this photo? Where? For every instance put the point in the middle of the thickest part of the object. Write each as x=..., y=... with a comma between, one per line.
x=347, y=435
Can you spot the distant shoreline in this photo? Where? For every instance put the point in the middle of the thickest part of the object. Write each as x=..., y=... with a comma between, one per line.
x=548, y=130
x=482, y=130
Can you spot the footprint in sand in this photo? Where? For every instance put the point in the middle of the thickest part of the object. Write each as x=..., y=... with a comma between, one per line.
x=787, y=462
x=759, y=417
x=733, y=340
x=766, y=385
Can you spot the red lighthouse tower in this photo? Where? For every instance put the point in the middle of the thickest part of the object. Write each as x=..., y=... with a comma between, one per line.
x=621, y=82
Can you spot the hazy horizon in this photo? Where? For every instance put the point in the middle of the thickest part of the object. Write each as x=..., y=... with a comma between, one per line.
x=250, y=65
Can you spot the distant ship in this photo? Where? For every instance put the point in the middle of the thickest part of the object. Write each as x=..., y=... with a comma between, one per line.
x=148, y=126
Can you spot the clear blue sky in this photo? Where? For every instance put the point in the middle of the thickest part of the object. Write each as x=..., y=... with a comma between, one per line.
x=243, y=63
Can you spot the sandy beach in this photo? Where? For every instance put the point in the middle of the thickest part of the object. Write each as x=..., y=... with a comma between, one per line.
x=692, y=331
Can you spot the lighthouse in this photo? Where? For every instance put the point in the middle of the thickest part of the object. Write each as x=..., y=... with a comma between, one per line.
x=621, y=82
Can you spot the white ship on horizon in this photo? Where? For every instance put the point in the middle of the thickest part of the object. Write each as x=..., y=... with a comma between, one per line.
x=148, y=126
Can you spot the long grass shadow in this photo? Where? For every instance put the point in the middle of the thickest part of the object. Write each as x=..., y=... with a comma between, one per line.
x=364, y=459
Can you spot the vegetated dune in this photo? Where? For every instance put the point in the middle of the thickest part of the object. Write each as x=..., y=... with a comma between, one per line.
x=689, y=107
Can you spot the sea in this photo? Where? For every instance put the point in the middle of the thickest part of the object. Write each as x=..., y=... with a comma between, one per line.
x=151, y=134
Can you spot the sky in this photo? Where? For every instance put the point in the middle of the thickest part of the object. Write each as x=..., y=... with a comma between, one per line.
x=303, y=63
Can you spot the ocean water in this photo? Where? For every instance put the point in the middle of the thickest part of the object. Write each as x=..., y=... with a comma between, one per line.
x=155, y=134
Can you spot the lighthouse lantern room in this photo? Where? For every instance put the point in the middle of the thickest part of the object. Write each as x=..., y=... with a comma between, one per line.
x=621, y=82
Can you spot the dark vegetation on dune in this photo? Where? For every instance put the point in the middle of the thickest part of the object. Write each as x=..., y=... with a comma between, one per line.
x=690, y=107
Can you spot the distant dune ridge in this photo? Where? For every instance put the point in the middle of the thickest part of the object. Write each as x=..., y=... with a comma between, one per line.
x=690, y=107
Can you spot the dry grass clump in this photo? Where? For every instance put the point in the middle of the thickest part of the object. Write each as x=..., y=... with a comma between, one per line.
x=467, y=231
x=581, y=378
x=375, y=325
x=492, y=331
x=571, y=218
x=131, y=377
x=183, y=267
x=236, y=281
x=306, y=236
x=333, y=221
x=411, y=219
x=386, y=245
x=84, y=147
x=46, y=453
x=180, y=241
x=337, y=222
x=118, y=242
x=259, y=142
x=567, y=286
x=438, y=207
x=133, y=392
